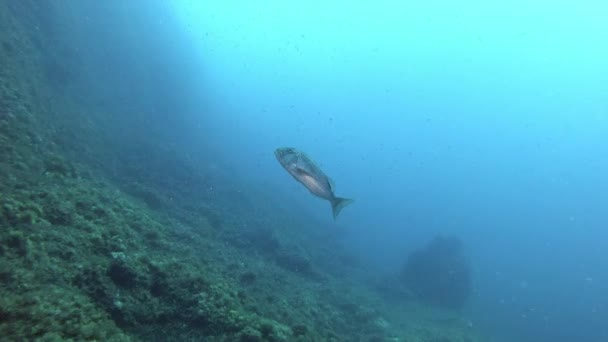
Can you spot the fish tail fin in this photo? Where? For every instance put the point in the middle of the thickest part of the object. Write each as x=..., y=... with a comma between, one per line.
x=338, y=203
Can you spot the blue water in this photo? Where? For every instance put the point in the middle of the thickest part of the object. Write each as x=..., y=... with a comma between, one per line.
x=482, y=120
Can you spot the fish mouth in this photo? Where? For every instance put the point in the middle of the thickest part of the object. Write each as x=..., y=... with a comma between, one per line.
x=277, y=153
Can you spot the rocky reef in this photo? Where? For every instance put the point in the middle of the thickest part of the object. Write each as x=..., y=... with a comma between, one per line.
x=439, y=273
x=110, y=231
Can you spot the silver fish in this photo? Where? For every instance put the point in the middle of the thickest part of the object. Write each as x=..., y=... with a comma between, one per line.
x=305, y=171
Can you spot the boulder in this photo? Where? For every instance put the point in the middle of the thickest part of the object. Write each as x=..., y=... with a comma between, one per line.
x=439, y=273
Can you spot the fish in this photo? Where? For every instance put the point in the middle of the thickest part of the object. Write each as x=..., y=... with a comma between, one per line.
x=305, y=171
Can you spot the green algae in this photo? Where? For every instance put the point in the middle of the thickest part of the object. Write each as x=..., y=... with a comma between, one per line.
x=55, y=313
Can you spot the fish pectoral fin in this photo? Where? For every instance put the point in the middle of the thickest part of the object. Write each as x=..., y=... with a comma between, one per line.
x=301, y=172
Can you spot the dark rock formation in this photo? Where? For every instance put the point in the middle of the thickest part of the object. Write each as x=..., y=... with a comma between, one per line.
x=439, y=273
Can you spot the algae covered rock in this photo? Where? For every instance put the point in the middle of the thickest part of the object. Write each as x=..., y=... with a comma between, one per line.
x=55, y=313
x=14, y=212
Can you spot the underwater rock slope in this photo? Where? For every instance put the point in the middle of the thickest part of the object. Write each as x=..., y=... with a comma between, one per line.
x=105, y=243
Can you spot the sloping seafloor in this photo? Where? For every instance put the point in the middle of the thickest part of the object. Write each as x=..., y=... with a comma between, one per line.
x=141, y=243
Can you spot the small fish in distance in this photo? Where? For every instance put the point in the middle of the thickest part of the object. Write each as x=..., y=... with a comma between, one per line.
x=305, y=171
